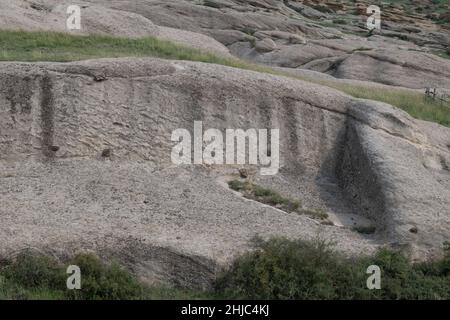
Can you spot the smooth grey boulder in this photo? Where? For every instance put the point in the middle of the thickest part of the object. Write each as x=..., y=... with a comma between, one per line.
x=409, y=69
x=265, y=45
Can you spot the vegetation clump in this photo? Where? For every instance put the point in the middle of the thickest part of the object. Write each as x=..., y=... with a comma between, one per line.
x=287, y=269
x=277, y=268
x=273, y=198
x=36, y=276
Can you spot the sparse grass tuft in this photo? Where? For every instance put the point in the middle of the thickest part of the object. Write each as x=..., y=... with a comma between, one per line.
x=319, y=214
x=416, y=104
x=264, y=195
x=273, y=198
x=237, y=185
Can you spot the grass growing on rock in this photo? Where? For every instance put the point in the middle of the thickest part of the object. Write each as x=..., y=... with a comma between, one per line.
x=62, y=47
x=315, y=213
x=264, y=195
x=416, y=104
x=267, y=196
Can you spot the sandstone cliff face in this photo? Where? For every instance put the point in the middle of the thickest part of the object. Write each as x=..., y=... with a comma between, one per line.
x=61, y=192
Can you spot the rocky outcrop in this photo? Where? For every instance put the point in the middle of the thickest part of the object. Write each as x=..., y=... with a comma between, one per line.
x=397, y=68
x=295, y=34
x=265, y=45
x=85, y=165
x=85, y=148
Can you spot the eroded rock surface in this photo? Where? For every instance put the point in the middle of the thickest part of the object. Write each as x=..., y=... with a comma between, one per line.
x=62, y=192
x=85, y=147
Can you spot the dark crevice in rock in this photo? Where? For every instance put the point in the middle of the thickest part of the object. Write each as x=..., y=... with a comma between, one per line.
x=291, y=125
x=40, y=7
x=166, y=265
x=358, y=178
x=18, y=93
x=47, y=116
x=355, y=117
x=296, y=9
x=444, y=164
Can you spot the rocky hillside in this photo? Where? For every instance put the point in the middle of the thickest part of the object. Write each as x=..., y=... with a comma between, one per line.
x=85, y=147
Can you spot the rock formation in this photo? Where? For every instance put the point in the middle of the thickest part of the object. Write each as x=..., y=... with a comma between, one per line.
x=85, y=147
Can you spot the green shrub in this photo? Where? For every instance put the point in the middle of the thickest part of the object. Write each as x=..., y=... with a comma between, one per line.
x=277, y=269
x=286, y=269
x=283, y=269
x=236, y=185
x=32, y=276
x=32, y=270
x=263, y=192
x=104, y=282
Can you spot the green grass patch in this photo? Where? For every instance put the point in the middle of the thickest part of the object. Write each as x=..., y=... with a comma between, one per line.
x=416, y=104
x=319, y=214
x=62, y=47
x=267, y=196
